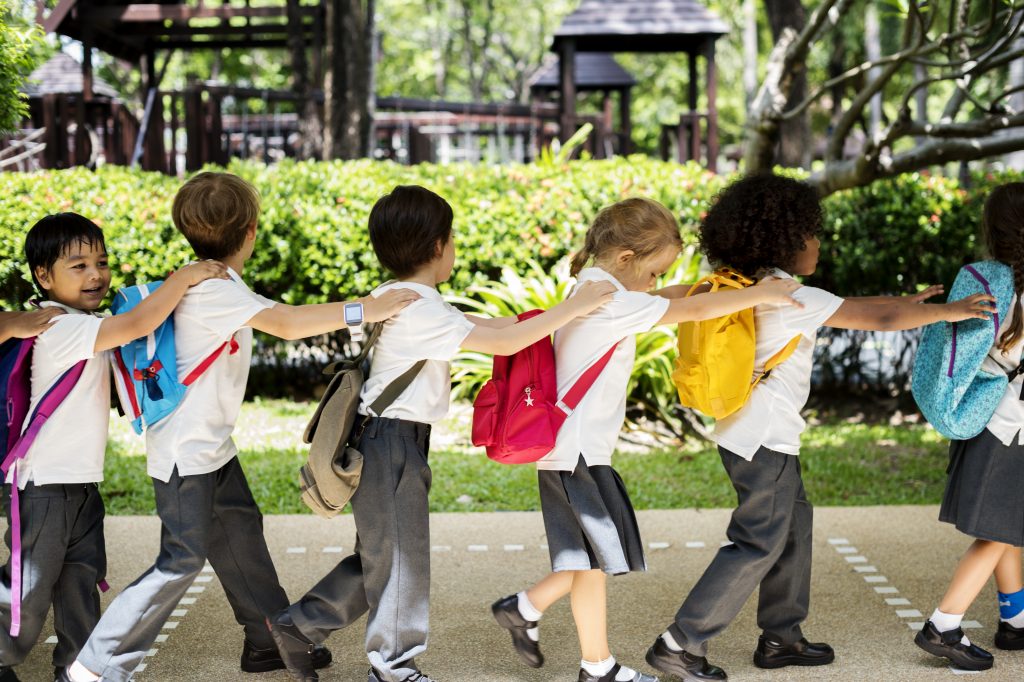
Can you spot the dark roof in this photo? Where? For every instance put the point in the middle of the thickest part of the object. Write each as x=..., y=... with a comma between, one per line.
x=62, y=74
x=640, y=26
x=594, y=71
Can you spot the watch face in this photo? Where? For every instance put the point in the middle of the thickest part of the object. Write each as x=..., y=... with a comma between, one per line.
x=353, y=315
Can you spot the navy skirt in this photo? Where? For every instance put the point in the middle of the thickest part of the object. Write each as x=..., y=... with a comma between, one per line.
x=589, y=521
x=985, y=490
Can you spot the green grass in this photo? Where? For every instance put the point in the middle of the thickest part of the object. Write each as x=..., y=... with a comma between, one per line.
x=843, y=464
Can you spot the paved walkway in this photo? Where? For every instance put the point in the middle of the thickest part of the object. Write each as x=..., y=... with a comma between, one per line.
x=878, y=573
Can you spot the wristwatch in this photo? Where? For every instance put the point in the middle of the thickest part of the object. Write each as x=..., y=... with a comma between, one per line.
x=354, y=320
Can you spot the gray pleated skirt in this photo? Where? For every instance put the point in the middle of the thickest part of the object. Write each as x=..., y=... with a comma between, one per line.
x=590, y=521
x=985, y=490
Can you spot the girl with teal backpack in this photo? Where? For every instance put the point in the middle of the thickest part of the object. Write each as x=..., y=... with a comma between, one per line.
x=968, y=383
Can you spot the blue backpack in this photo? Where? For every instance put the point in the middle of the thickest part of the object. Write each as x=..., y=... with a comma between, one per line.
x=146, y=369
x=950, y=388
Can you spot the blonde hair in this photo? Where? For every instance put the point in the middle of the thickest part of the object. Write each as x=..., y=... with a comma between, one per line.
x=214, y=211
x=640, y=225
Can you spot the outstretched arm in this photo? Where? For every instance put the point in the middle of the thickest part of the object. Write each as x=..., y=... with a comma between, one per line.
x=300, y=321
x=710, y=305
x=23, y=325
x=511, y=339
x=919, y=297
x=901, y=313
x=154, y=309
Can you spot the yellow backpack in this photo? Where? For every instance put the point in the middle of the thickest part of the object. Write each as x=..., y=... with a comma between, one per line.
x=716, y=357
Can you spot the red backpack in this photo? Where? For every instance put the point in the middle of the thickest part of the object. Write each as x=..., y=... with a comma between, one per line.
x=517, y=414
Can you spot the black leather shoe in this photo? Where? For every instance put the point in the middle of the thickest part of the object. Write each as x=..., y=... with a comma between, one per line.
x=948, y=645
x=7, y=674
x=506, y=612
x=295, y=649
x=374, y=676
x=682, y=664
x=610, y=676
x=771, y=654
x=265, y=660
x=1007, y=637
x=59, y=675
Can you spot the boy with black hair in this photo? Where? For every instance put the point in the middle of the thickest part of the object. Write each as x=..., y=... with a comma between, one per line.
x=62, y=553
x=389, y=574
x=202, y=497
x=770, y=529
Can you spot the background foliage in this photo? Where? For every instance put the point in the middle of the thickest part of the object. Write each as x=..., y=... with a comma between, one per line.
x=514, y=224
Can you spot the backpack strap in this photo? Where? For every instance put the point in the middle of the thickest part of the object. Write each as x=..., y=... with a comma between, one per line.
x=205, y=364
x=395, y=388
x=49, y=403
x=574, y=395
x=776, y=360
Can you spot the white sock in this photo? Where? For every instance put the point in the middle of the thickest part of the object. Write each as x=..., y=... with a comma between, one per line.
x=944, y=622
x=600, y=667
x=671, y=642
x=79, y=673
x=625, y=674
x=528, y=611
x=1017, y=621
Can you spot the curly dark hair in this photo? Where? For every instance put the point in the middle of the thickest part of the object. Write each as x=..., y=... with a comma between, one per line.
x=760, y=221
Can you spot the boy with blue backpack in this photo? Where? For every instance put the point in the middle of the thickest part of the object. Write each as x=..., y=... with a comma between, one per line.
x=202, y=496
x=57, y=387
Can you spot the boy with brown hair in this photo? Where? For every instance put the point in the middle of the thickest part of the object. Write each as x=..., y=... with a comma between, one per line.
x=202, y=496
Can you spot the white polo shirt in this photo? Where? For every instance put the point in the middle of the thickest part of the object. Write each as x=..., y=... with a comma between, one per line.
x=427, y=329
x=592, y=430
x=71, y=445
x=771, y=418
x=196, y=437
x=1008, y=420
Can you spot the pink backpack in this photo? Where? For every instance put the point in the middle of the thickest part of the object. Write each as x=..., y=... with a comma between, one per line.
x=517, y=414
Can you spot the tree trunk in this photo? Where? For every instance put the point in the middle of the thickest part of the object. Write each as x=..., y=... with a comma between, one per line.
x=749, y=51
x=1015, y=160
x=349, y=80
x=794, y=134
x=310, y=127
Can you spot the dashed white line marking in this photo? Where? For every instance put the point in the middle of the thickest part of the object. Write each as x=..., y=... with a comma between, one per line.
x=195, y=589
x=970, y=625
x=187, y=601
x=170, y=625
x=886, y=590
x=916, y=626
x=725, y=543
x=514, y=548
x=162, y=638
x=897, y=601
x=961, y=671
x=151, y=652
x=140, y=667
x=52, y=639
x=178, y=613
x=204, y=578
x=695, y=545
x=544, y=547
x=440, y=548
x=477, y=548
x=846, y=549
x=659, y=545
x=865, y=569
x=856, y=559
x=296, y=550
x=838, y=541
x=333, y=550
x=875, y=579
x=207, y=568
x=908, y=613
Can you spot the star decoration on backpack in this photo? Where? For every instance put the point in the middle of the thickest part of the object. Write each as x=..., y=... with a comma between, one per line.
x=529, y=400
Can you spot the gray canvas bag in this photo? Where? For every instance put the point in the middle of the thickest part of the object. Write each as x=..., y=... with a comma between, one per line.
x=331, y=473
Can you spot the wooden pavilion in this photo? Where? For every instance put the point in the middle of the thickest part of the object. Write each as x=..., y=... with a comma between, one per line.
x=595, y=72
x=646, y=26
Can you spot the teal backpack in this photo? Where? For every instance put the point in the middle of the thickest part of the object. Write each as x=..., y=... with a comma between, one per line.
x=954, y=394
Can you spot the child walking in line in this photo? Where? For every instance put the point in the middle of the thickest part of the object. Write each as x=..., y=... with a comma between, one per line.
x=768, y=225
x=25, y=325
x=389, y=573
x=983, y=494
x=202, y=496
x=62, y=553
x=589, y=520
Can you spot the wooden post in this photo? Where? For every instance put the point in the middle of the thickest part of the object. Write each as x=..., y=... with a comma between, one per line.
x=172, y=159
x=694, y=119
x=712, y=94
x=567, y=88
x=50, y=137
x=193, y=129
x=625, y=121
x=87, y=45
x=63, y=120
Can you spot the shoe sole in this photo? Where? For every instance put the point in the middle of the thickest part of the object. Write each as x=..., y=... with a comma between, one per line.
x=682, y=673
x=786, y=661
x=1016, y=643
x=277, y=664
x=505, y=621
x=940, y=652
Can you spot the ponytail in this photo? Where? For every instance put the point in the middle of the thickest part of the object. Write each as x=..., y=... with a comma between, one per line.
x=640, y=225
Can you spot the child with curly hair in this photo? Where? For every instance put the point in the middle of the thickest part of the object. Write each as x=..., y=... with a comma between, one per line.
x=766, y=225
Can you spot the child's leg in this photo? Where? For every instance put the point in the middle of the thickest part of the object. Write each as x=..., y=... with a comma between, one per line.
x=785, y=592
x=766, y=487
x=44, y=538
x=550, y=589
x=238, y=554
x=973, y=571
x=76, y=599
x=1008, y=571
x=130, y=624
x=589, y=610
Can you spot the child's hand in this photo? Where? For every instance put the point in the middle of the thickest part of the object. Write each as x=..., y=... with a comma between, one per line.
x=27, y=325
x=592, y=294
x=922, y=296
x=779, y=291
x=200, y=271
x=978, y=306
x=377, y=309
